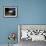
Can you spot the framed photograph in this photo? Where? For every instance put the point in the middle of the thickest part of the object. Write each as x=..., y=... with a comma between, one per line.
x=10, y=11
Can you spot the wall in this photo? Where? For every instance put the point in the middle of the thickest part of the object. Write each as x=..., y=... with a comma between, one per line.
x=29, y=12
x=7, y=25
